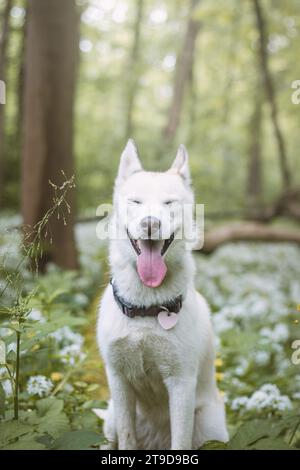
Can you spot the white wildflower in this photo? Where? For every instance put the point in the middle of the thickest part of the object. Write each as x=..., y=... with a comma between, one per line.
x=277, y=348
x=297, y=379
x=68, y=388
x=5, y=332
x=72, y=354
x=284, y=403
x=39, y=385
x=258, y=401
x=36, y=315
x=236, y=383
x=283, y=365
x=221, y=323
x=270, y=389
x=239, y=402
x=268, y=397
x=225, y=398
x=11, y=347
x=279, y=334
x=81, y=299
x=6, y=384
x=242, y=367
x=66, y=336
x=262, y=358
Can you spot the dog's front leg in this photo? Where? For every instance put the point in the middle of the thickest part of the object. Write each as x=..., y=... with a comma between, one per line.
x=182, y=392
x=125, y=410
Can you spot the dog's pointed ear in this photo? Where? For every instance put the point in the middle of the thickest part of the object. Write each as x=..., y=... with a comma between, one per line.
x=130, y=162
x=181, y=164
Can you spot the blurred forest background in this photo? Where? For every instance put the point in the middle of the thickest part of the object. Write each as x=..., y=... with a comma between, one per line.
x=82, y=76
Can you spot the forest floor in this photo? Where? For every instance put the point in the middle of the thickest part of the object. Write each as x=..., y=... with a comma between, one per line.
x=253, y=291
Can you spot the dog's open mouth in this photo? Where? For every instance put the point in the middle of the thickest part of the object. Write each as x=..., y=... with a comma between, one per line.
x=151, y=265
x=165, y=243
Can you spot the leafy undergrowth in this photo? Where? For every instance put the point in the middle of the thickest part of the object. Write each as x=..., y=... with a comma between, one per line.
x=61, y=378
x=253, y=291
x=254, y=294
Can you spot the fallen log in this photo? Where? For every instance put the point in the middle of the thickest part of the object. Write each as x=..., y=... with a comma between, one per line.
x=247, y=232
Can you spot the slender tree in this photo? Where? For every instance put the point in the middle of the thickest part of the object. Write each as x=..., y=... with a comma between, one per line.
x=49, y=85
x=4, y=38
x=133, y=66
x=226, y=112
x=254, y=175
x=20, y=81
x=270, y=91
x=183, y=72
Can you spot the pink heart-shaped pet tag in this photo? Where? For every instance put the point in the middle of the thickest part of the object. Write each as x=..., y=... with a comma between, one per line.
x=167, y=320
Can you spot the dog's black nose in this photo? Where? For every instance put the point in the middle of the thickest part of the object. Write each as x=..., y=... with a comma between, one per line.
x=150, y=225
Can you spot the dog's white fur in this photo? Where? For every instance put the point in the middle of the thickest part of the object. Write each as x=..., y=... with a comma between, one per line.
x=162, y=383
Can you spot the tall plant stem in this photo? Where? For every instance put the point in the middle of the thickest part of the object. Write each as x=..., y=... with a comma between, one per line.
x=294, y=432
x=16, y=390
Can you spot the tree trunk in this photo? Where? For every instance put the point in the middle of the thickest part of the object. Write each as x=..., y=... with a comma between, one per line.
x=192, y=106
x=270, y=93
x=225, y=191
x=3, y=62
x=254, y=176
x=182, y=73
x=50, y=71
x=20, y=81
x=132, y=73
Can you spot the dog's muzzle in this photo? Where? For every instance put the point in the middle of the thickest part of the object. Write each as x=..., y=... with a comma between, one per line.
x=136, y=243
x=150, y=250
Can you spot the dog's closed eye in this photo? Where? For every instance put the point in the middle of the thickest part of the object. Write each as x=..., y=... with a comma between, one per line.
x=168, y=203
x=135, y=201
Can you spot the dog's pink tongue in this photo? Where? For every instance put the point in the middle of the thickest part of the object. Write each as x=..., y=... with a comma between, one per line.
x=150, y=263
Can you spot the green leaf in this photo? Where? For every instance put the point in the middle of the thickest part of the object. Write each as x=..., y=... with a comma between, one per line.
x=49, y=405
x=214, y=445
x=25, y=444
x=52, y=419
x=80, y=384
x=46, y=440
x=57, y=293
x=271, y=444
x=92, y=387
x=54, y=425
x=249, y=433
x=11, y=430
x=78, y=440
x=45, y=329
x=89, y=404
x=285, y=423
x=11, y=356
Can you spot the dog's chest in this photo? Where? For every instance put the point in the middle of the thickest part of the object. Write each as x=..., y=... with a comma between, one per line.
x=144, y=356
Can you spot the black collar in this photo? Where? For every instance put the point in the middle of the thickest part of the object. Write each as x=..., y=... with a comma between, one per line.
x=131, y=310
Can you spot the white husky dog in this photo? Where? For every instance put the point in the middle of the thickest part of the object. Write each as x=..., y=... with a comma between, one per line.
x=154, y=329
